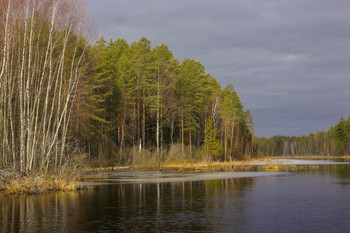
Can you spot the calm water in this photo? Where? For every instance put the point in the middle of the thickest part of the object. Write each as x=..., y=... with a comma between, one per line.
x=308, y=201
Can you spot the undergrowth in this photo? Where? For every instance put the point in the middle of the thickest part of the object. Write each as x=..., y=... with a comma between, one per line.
x=64, y=178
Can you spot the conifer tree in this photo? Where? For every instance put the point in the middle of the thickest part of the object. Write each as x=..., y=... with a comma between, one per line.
x=211, y=145
x=191, y=89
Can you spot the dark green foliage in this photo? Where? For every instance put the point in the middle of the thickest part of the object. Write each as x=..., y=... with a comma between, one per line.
x=141, y=96
x=211, y=145
x=191, y=89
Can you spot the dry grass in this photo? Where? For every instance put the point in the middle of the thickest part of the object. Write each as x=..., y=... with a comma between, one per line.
x=13, y=183
x=150, y=159
x=64, y=179
x=175, y=159
x=211, y=165
x=243, y=165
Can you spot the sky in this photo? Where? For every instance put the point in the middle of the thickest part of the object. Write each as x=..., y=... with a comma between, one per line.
x=289, y=60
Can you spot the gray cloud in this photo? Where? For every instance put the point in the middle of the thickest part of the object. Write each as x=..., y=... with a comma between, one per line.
x=288, y=60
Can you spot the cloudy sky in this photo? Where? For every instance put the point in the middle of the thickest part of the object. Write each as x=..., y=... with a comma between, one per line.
x=289, y=60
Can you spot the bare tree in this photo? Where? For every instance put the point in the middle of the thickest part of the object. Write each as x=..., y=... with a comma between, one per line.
x=42, y=49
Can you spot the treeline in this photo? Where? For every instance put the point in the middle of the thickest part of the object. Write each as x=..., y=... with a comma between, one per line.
x=336, y=141
x=136, y=98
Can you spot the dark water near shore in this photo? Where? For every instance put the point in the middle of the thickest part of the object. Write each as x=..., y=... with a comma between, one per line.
x=314, y=200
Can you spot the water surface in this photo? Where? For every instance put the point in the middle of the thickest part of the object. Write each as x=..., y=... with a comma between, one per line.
x=315, y=200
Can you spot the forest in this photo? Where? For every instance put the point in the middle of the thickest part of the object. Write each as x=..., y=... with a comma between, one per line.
x=64, y=97
x=139, y=98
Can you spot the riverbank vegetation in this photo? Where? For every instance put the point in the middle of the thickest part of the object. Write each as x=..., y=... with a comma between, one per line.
x=36, y=183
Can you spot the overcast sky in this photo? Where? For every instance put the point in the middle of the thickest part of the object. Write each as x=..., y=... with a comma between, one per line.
x=289, y=60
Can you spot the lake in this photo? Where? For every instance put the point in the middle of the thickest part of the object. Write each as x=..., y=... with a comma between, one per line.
x=314, y=199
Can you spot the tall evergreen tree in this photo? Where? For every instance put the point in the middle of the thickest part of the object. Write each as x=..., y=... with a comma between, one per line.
x=192, y=85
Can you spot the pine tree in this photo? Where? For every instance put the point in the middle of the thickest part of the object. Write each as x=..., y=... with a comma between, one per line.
x=232, y=114
x=211, y=145
x=191, y=88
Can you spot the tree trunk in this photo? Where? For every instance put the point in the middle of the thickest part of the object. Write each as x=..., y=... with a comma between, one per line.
x=182, y=133
x=143, y=114
x=158, y=109
x=225, y=140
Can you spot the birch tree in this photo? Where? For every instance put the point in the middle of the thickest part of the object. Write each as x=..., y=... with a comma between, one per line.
x=42, y=53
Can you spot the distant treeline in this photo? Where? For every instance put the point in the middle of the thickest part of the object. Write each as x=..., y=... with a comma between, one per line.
x=336, y=141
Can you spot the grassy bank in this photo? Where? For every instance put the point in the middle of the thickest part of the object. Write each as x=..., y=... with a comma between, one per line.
x=249, y=164
x=35, y=183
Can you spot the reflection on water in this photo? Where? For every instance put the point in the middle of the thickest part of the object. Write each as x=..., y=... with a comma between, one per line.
x=314, y=200
x=340, y=171
x=127, y=207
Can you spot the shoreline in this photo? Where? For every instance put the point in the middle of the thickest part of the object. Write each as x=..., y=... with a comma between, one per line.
x=12, y=183
x=234, y=165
